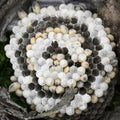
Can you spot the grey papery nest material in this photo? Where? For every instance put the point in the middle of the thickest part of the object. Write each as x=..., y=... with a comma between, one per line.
x=64, y=94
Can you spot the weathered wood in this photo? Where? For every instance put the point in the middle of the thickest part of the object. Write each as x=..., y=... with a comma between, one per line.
x=7, y=13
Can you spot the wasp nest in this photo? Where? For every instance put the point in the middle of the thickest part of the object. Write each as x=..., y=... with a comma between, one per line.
x=57, y=48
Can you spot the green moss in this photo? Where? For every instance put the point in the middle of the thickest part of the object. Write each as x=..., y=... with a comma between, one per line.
x=19, y=100
x=5, y=72
x=5, y=67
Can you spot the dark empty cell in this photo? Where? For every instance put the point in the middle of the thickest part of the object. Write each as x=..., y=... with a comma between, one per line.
x=53, y=19
x=26, y=73
x=88, y=71
x=82, y=91
x=74, y=20
x=97, y=60
x=55, y=95
x=50, y=49
x=88, y=40
x=91, y=46
x=87, y=85
x=92, y=65
x=25, y=35
x=86, y=34
x=54, y=24
x=64, y=50
x=20, y=60
x=23, y=66
x=70, y=63
x=31, y=35
x=91, y=78
x=58, y=50
x=26, y=41
x=60, y=20
x=38, y=87
x=79, y=31
x=67, y=56
x=48, y=24
x=48, y=94
x=46, y=18
x=95, y=41
x=30, y=29
x=45, y=55
x=31, y=86
x=20, y=41
x=95, y=72
x=69, y=26
x=85, y=45
x=100, y=66
x=67, y=21
x=77, y=64
x=90, y=60
x=43, y=27
x=41, y=94
x=99, y=47
x=33, y=73
x=17, y=53
x=22, y=47
x=94, y=53
x=76, y=27
x=41, y=24
x=84, y=28
x=23, y=54
x=54, y=44
x=34, y=23
x=38, y=28
x=35, y=80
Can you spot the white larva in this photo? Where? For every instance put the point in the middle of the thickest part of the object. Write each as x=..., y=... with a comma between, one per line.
x=69, y=111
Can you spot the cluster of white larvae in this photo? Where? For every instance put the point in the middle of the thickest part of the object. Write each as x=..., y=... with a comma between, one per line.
x=70, y=49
